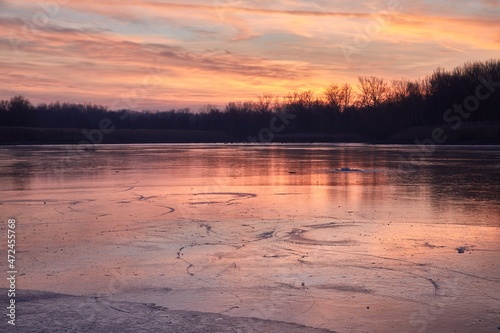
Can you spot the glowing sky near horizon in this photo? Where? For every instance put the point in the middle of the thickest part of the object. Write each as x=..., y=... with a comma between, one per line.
x=142, y=54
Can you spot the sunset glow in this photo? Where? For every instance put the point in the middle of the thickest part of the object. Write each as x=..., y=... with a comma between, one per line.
x=165, y=54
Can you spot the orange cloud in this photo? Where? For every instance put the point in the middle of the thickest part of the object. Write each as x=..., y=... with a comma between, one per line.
x=471, y=32
x=200, y=53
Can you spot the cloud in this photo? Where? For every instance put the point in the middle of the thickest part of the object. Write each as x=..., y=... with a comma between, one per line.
x=230, y=49
x=472, y=32
x=74, y=63
x=223, y=8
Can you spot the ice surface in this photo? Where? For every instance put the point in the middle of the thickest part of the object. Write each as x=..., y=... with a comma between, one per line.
x=265, y=231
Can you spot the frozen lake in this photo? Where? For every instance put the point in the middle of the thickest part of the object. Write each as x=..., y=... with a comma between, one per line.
x=349, y=238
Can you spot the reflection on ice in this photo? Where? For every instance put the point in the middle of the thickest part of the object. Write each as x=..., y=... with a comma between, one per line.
x=230, y=229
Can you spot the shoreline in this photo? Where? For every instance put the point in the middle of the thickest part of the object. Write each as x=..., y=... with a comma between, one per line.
x=62, y=136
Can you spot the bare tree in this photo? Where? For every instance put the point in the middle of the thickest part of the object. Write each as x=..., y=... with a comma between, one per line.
x=266, y=102
x=338, y=96
x=374, y=90
x=306, y=99
x=299, y=100
x=207, y=108
x=398, y=90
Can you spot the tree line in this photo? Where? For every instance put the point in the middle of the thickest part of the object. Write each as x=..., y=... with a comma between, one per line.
x=374, y=108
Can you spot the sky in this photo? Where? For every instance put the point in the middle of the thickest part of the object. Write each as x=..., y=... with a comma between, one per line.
x=158, y=55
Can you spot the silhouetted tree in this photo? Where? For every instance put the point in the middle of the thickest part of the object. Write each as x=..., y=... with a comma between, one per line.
x=373, y=90
x=381, y=110
x=339, y=96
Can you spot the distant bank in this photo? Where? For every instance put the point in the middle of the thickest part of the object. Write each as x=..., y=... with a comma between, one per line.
x=472, y=133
